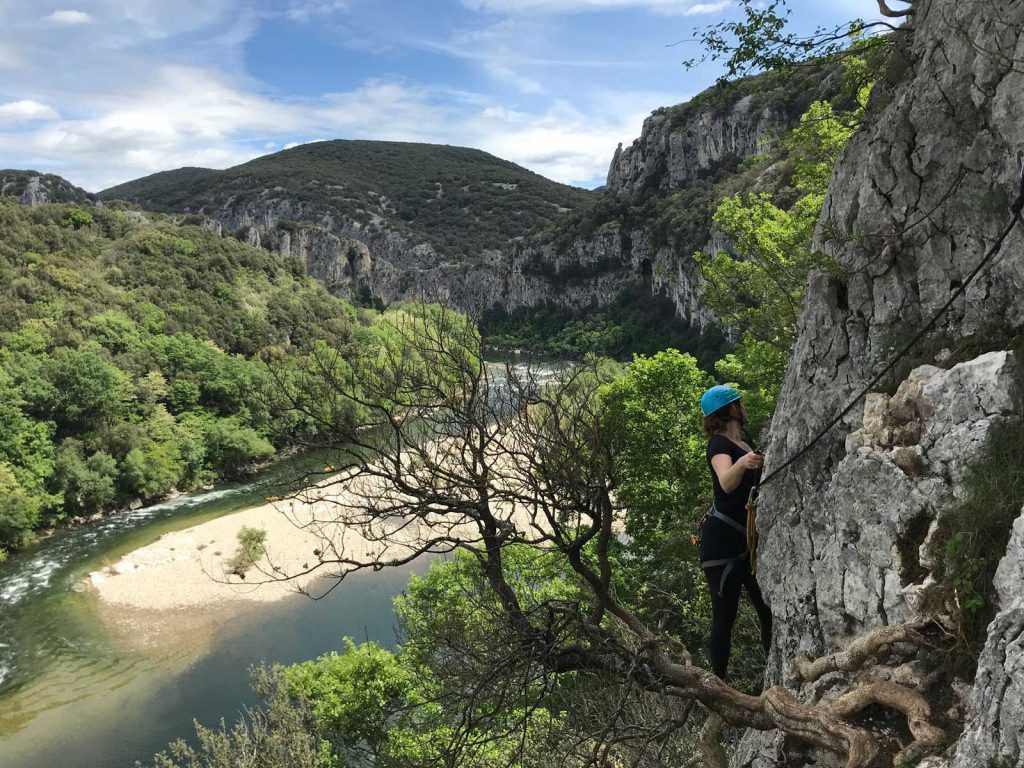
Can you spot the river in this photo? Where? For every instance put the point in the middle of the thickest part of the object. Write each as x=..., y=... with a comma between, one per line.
x=74, y=696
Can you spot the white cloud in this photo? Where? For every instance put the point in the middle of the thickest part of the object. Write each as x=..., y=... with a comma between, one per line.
x=70, y=18
x=163, y=19
x=669, y=7
x=25, y=111
x=191, y=116
x=304, y=10
x=702, y=8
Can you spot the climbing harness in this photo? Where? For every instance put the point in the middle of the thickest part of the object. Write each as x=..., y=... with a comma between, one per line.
x=730, y=563
x=749, y=532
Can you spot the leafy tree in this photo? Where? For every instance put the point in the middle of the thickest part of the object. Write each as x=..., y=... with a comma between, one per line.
x=653, y=413
x=152, y=469
x=759, y=288
x=19, y=511
x=87, y=483
x=356, y=697
x=86, y=392
x=230, y=445
x=761, y=41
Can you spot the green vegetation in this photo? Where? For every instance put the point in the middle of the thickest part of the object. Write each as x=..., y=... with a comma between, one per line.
x=759, y=288
x=635, y=323
x=461, y=201
x=973, y=535
x=138, y=356
x=281, y=735
x=760, y=40
x=250, y=549
x=57, y=189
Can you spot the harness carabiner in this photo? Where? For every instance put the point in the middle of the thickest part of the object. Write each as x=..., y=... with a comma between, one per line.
x=752, y=527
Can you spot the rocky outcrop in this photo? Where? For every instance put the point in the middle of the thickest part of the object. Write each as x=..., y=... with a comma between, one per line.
x=919, y=196
x=995, y=732
x=32, y=188
x=669, y=156
x=863, y=557
x=680, y=144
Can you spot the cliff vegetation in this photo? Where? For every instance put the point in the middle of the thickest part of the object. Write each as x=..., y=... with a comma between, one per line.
x=461, y=201
x=137, y=357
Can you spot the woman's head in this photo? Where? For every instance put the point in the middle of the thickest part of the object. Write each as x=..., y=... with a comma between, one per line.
x=718, y=421
x=720, y=405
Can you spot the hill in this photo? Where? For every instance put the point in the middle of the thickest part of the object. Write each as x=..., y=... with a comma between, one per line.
x=459, y=201
x=34, y=188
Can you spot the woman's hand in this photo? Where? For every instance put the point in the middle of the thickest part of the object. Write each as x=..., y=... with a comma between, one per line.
x=730, y=474
x=751, y=460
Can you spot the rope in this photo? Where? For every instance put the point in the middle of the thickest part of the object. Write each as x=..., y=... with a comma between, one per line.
x=1015, y=209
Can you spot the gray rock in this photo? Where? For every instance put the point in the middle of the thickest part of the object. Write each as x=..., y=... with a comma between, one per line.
x=995, y=731
x=32, y=188
x=922, y=191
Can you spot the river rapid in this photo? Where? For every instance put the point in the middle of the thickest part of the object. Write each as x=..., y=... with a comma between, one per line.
x=74, y=694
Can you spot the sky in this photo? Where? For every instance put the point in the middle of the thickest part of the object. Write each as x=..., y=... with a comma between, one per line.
x=103, y=91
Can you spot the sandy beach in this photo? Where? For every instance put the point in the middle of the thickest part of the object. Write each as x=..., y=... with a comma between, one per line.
x=189, y=569
x=182, y=584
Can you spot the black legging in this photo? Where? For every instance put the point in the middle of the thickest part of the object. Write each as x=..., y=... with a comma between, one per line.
x=724, y=607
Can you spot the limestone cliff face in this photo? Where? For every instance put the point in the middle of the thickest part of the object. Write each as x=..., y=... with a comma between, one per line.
x=921, y=193
x=593, y=271
x=678, y=146
x=34, y=189
x=672, y=152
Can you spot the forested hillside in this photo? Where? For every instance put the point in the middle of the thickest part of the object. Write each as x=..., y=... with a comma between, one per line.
x=461, y=201
x=136, y=357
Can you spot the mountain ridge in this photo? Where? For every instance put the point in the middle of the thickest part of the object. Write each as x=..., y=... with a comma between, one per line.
x=430, y=193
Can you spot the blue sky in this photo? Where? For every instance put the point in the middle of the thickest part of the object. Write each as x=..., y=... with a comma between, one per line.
x=102, y=91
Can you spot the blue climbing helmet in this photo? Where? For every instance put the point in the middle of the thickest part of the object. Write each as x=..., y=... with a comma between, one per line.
x=717, y=398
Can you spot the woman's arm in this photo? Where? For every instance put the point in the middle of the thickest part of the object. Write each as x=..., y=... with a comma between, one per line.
x=730, y=474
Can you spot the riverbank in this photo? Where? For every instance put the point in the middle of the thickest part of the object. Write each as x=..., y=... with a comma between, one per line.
x=190, y=569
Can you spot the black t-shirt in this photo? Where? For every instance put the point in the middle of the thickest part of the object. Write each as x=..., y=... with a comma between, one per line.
x=718, y=539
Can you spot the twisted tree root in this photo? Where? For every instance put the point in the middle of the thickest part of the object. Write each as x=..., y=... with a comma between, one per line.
x=889, y=13
x=898, y=697
x=859, y=651
x=712, y=753
x=819, y=725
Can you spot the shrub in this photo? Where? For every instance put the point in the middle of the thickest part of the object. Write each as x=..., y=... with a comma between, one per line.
x=250, y=549
x=77, y=218
x=19, y=510
x=231, y=446
x=281, y=735
x=973, y=534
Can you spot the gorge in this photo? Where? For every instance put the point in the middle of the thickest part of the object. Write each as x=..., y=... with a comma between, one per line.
x=890, y=554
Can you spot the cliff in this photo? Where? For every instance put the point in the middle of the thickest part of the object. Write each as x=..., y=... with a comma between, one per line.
x=849, y=532
x=388, y=221
x=33, y=188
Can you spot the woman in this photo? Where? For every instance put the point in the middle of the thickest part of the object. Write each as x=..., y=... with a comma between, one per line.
x=735, y=469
